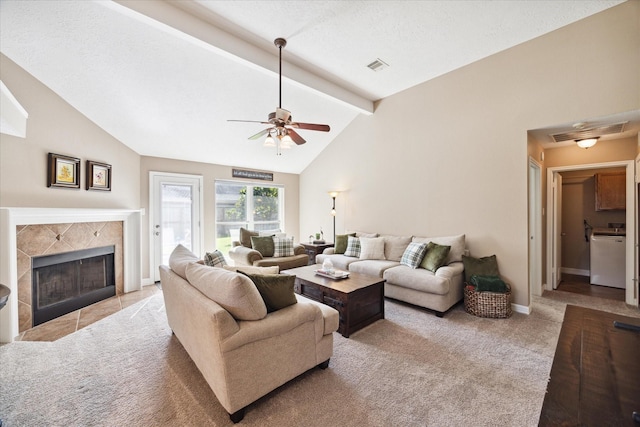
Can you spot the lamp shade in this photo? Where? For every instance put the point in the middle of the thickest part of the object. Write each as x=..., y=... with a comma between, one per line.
x=586, y=143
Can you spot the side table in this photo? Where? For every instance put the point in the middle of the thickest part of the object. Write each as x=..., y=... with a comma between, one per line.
x=314, y=249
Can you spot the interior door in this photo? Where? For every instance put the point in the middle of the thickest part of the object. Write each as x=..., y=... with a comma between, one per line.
x=557, y=229
x=535, y=212
x=175, y=215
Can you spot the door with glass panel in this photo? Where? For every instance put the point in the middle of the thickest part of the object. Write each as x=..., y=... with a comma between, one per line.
x=175, y=215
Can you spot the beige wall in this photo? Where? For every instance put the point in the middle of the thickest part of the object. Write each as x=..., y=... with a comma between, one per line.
x=55, y=126
x=210, y=173
x=451, y=155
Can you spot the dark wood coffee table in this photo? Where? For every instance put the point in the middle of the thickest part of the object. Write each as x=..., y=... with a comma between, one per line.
x=595, y=376
x=359, y=298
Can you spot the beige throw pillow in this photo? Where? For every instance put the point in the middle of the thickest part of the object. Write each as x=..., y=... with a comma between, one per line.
x=249, y=269
x=234, y=292
x=372, y=248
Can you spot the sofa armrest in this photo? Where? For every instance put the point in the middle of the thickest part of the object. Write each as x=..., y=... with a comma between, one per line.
x=299, y=250
x=451, y=270
x=329, y=251
x=242, y=255
x=275, y=324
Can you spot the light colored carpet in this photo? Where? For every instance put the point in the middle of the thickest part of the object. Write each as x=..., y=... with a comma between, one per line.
x=411, y=368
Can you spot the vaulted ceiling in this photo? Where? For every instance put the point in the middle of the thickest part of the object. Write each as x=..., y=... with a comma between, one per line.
x=164, y=77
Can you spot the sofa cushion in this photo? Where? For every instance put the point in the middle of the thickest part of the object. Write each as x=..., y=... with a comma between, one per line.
x=371, y=248
x=353, y=247
x=394, y=246
x=180, y=258
x=435, y=256
x=414, y=254
x=341, y=243
x=282, y=246
x=232, y=291
x=341, y=262
x=457, y=244
x=263, y=244
x=214, y=259
x=365, y=234
x=372, y=267
x=250, y=269
x=245, y=237
x=485, y=266
x=419, y=279
x=276, y=290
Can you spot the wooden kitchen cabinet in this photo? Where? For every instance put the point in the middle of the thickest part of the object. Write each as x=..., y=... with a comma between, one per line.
x=610, y=191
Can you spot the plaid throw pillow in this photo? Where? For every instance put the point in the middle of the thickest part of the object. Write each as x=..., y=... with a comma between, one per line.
x=282, y=246
x=214, y=259
x=353, y=247
x=413, y=255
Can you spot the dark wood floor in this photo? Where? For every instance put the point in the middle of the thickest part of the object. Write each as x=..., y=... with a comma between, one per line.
x=580, y=285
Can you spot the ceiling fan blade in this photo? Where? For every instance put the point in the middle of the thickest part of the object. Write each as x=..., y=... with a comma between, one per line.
x=249, y=121
x=296, y=138
x=261, y=133
x=311, y=126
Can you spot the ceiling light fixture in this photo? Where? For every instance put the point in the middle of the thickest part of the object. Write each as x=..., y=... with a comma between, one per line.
x=281, y=134
x=586, y=143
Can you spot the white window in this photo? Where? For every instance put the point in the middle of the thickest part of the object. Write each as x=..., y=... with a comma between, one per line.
x=252, y=206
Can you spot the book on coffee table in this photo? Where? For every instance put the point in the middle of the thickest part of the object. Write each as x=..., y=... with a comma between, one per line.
x=335, y=274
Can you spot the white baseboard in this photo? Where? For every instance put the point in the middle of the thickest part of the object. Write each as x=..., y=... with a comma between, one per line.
x=524, y=309
x=576, y=271
x=147, y=282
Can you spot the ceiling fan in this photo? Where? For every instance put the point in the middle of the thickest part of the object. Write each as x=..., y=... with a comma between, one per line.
x=281, y=133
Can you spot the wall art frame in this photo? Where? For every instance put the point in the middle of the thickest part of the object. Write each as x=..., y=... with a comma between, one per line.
x=63, y=171
x=98, y=176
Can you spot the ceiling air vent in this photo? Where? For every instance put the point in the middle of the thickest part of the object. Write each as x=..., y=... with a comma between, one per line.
x=378, y=65
x=589, y=132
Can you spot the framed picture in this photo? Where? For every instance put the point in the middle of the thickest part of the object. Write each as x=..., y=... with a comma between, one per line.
x=98, y=176
x=63, y=171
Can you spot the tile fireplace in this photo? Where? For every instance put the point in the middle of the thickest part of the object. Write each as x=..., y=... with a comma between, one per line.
x=33, y=232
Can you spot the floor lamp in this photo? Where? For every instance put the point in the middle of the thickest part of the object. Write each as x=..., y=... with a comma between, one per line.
x=333, y=195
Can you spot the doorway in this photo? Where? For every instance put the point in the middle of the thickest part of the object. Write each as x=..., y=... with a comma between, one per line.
x=554, y=226
x=535, y=228
x=175, y=217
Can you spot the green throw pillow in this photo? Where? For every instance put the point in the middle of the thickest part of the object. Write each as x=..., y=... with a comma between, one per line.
x=434, y=259
x=486, y=266
x=489, y=284
x=275, y=289
x=263, y=244
x=245, y=237
x=341, y=243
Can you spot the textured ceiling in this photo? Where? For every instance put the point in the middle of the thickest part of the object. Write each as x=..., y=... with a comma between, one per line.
x=164, y=77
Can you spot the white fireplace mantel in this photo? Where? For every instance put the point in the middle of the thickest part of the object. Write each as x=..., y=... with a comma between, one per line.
x=12, y=217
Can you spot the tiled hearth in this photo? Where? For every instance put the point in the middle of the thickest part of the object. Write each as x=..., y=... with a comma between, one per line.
x=74, y=321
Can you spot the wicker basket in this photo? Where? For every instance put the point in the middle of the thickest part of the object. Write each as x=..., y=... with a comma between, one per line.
x=487, y=304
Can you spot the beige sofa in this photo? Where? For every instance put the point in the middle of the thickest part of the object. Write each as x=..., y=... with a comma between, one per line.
x=242, y=360
x=437, y=291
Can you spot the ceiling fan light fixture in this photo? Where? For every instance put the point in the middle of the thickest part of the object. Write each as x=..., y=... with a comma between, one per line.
x=586, y=143
x=269, y=142
x=286, y=142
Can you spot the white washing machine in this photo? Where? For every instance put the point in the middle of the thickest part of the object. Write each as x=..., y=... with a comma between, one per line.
x=608, y=259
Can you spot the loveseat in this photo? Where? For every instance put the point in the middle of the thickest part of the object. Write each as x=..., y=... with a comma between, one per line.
x=242, y=350
x=437, y=290
x=252, y=249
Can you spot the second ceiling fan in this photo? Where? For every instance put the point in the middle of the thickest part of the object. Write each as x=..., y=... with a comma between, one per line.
x=281, y=133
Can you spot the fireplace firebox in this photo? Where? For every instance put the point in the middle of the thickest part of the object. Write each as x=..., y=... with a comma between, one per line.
x=65, y=282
